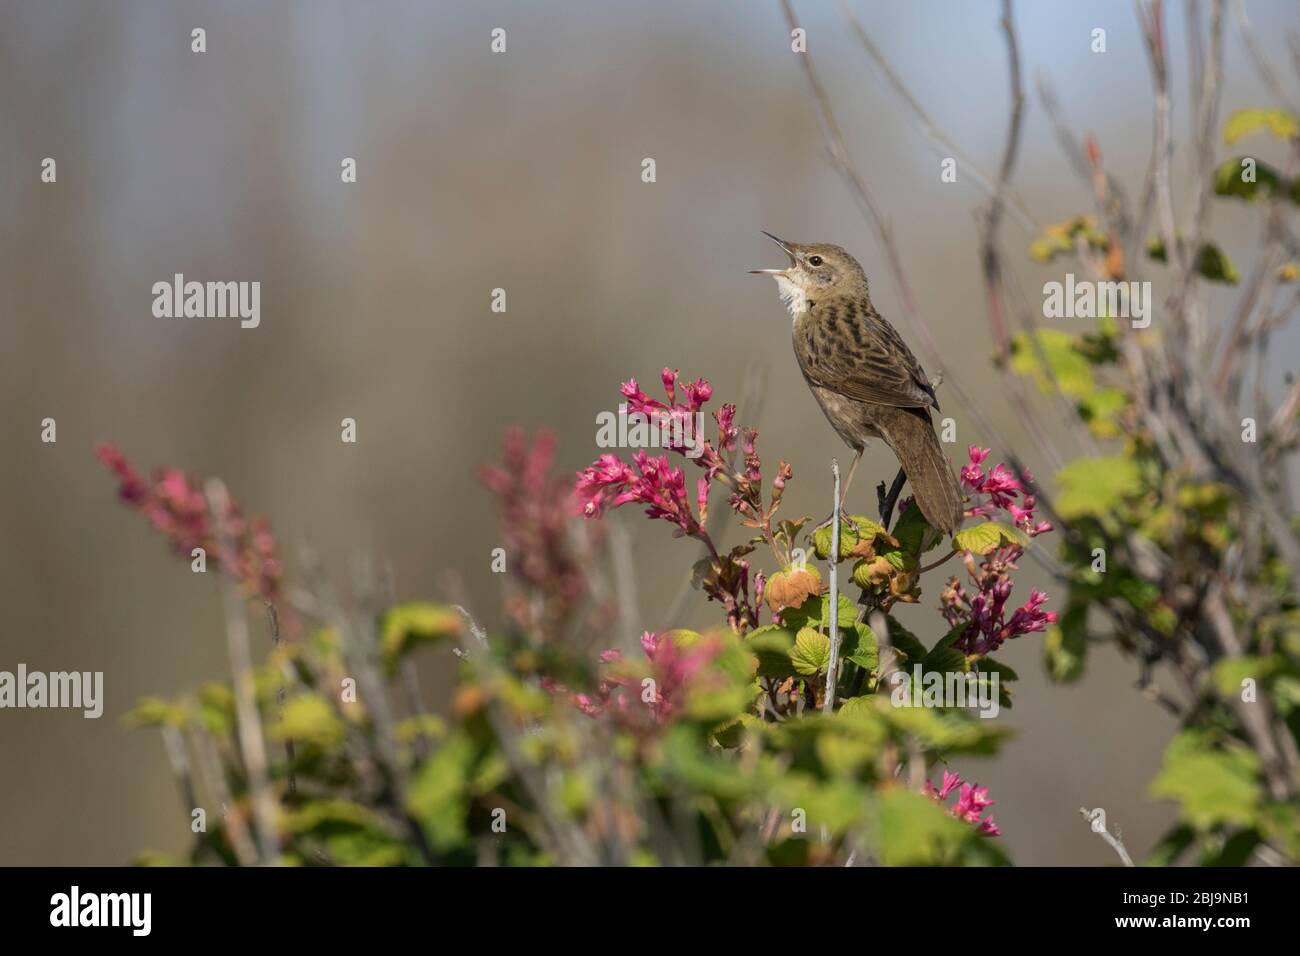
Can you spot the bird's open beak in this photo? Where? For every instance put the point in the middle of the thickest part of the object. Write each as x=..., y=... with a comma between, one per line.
x=785, y=247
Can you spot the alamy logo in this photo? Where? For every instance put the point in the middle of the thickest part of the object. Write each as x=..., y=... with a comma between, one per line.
x=946, y=689
x=676, y=430
x=179, y=299
x=103, y=909
x=77, y=690
x=1085, y=299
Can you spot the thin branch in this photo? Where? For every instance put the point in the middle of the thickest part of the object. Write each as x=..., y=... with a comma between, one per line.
x=1113, y=841
x=1255, y=716
x=887, y=500
x=251, y=741
x=833, y=664
x=927, y=126
x=1262, y=65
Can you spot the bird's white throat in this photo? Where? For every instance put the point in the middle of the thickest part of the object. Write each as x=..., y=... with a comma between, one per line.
x=791, y=295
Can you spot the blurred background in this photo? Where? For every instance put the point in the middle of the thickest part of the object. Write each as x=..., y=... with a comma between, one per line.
x=477, y=171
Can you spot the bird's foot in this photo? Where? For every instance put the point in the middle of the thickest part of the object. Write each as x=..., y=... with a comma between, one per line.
x=824, y=523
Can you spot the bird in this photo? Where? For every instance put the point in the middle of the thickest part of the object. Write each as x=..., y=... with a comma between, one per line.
x=865, y=378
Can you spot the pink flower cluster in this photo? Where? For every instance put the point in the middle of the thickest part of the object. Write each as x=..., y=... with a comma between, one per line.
x=654, y=482
x=611, y=482
x=1002, y=488
x=984, y=614
x=537, y=507
x=620, y=694
x=971, y=803
x=176, y=506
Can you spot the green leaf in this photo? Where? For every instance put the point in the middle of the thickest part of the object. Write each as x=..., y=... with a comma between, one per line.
x=1241, y=123
x=771, y=645
x=155, y=712
x=916, y=831
x=1229, y=180
x=913, y=531
x=853, y=530
x=1171, y=846
x=836, y=804
x=858, y=644
x=406, y=625
x=1100, y=409
x=1096, y=486
x=217, y=708
x=1280, y=824
x=988, y=537
x=1065, y=646
x=438, y=796
x=705, y=769
x=811, y=653
x=905, y=641
x=1230, y=672
x=859, y=710
x=1213, y=784
x=352, y=834
x=944, y=660
x=815, y=613
x=309, y=718
x=943, y=657
x=725, y=688
x=1006, y=677
x=947, y=729
x=1235, y=851
x=733, y=734
x=1064, y=362
x=1059, y=238
x=1213, y=264
x=1211, y=261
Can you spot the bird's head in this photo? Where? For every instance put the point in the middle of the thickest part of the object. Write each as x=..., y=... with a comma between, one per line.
x=816, y=271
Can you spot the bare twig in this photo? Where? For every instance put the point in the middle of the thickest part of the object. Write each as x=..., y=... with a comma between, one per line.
x=1262, y=65
x=833, y=664
x=1096, y=823
x=886, y=500
x=928, y=127
x=251, y=741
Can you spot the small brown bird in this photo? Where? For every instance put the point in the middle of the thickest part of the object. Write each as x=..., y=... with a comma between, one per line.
x=866, y=379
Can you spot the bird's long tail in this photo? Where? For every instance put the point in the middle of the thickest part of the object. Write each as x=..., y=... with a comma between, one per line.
x=911, y=435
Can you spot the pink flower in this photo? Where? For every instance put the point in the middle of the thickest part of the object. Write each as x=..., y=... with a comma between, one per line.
x=983, y=616
x=674, y=670
x=610, y=482
x=971, y=803
x=537, y=506
x=727, y=431
x=175, y=506
x=1002, y=488
x=669, y=377
x=950, y=781
x=637, y=400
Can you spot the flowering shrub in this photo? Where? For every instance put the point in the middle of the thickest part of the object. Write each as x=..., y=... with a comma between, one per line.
x=557, y=751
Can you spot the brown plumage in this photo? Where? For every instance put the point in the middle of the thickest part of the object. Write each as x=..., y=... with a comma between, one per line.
x=865, y=378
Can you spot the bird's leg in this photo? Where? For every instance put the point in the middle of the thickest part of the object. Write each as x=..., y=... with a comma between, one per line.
x=844, y=493
x=887, y=501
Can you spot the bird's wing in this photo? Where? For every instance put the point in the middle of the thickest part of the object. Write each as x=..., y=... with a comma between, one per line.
x=869, y=362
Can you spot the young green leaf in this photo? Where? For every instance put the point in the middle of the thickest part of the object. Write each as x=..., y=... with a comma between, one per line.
x=811, y=653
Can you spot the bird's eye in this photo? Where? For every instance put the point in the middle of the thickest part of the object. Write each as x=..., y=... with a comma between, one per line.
x=814, y=261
